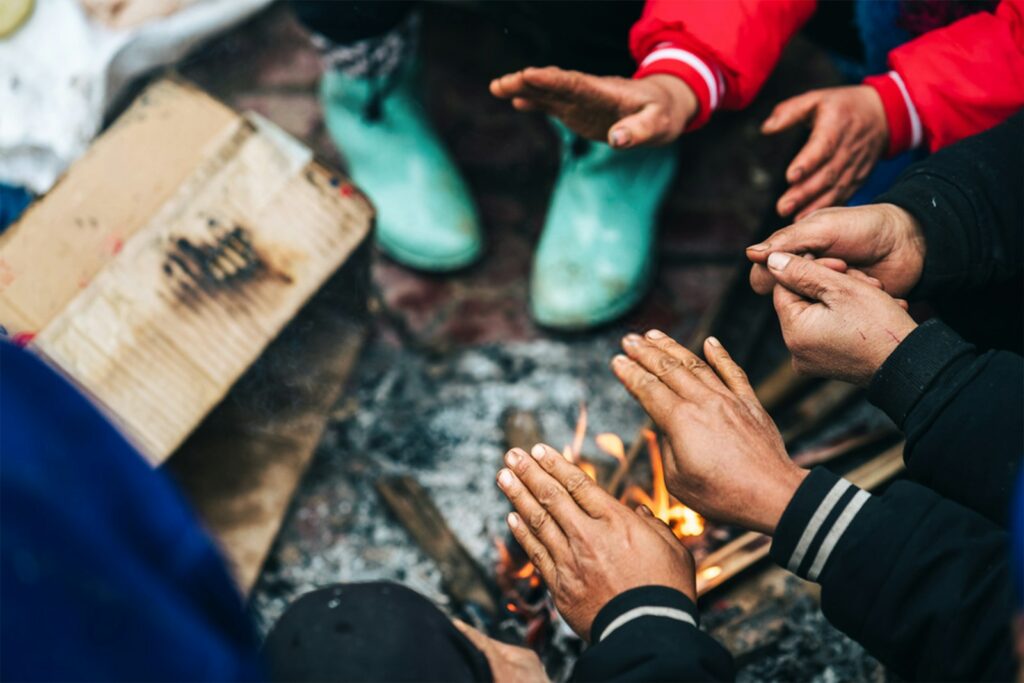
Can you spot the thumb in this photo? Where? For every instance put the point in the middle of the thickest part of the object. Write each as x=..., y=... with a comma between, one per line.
x=642, y=128
x=790, y=112
x=805, y=277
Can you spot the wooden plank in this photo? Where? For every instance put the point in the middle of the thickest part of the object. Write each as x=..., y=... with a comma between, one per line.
x=752, y=547
x=242, y=466
x=193, y=296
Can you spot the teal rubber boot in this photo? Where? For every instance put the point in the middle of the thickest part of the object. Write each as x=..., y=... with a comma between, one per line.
x=595, y=259
x=425, y=216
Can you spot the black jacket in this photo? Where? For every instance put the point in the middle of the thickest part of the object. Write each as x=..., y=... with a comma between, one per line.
x=652, y=634
x=969, y=201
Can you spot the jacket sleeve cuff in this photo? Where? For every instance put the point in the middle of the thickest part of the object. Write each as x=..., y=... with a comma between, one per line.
x=908, y=372
x=905, y=131
x=815, y=521
x=646, y=602
x=702, y=76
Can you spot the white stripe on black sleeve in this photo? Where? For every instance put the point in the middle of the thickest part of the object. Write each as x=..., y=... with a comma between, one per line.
x=651, y=611
x=817, y=519
x=836, y=532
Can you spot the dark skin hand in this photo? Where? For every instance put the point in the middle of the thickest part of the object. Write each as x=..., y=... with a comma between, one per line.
x=625, y=112
x=728, y=460
x=849, y=134
x=881, y=240
x=587, y=546
x=835, y=325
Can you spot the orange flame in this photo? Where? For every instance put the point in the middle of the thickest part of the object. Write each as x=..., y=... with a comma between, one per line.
x=612, y=445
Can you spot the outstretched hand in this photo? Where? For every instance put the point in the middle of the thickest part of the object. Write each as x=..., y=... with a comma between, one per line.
x=728, y=460
x=835, y=325
x=849, y=133
x=622, y=111
x=587, y=546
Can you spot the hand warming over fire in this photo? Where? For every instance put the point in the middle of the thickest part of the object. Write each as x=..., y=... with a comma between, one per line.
x=835, y=325
x=728, y=462
x=625, y=112
x=587, y=546
x=849, y=133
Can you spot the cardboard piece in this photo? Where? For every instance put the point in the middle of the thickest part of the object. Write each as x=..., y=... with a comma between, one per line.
x=170, y=255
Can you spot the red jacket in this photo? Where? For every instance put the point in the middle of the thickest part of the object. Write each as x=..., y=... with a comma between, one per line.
x=944, y=85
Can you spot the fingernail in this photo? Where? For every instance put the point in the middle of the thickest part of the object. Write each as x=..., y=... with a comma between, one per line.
x=512, y=458
x=655, y=334
x=644, y=510
x=763, y=246
x=786, y=209
x=505, y=478
x=619, y=359
x=797, y=174
x=620, y=137
x=513, y=520
x=538, y=451
x=632, y=339
x=714, y=341
x=778, y=261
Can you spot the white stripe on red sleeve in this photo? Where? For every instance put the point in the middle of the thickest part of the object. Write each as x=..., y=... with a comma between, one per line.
x=716, y=87
x=916, y=134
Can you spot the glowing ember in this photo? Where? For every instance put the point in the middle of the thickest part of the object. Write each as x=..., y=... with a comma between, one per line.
x=709, y=573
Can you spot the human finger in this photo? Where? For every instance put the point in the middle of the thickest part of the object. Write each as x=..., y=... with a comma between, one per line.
x=807, y=194
x=546, y=491
x=659, y=526
x=821, y=146
x=814, y=236
x=645, y=127
x=526, y=104
x=590, y=497
x=536, y=550
x=857, y=274
x=806, y=277
x=731, y=373
x=539, y=521
x=657, y=399
x=679, y=369
x=790, y=112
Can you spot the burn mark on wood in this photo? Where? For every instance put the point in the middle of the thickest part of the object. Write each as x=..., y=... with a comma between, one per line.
x=226, y=263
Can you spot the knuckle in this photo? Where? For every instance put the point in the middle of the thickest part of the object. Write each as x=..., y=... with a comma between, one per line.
x=537, y=519
x=666, y=364
x=576, y=482
x=548, y=494
x=695, y=364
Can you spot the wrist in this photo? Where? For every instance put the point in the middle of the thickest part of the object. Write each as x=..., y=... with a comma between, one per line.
x=681, y=101
x=779, y=498
x=909, y=244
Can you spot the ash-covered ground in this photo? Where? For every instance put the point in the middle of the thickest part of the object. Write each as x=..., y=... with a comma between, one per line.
x=441, y=421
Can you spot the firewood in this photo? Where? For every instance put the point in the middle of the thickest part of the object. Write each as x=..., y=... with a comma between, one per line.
x=522, y=429
x=462, y=578
x=817, y=407
x=780, y=386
